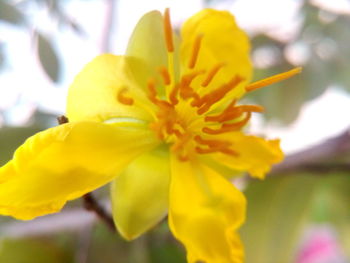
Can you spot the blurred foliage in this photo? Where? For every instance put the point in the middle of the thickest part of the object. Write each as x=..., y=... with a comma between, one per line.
x=281, y=207
x=11, y=138
x=331, y=205
x=48, y=57
x=9, y=13
x=94, y=244
x=277, y=212
x=16, y=13
x=322, y=45
x=34, y=251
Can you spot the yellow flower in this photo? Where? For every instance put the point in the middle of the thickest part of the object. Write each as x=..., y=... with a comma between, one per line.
x=164, y=123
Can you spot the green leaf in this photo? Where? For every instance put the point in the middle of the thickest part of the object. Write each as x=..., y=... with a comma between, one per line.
x=10, y=14
x=11, y=138
x=278, y=209
x=48, y=57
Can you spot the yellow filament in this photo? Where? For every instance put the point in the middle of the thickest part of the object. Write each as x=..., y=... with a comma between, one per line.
x=273, y=79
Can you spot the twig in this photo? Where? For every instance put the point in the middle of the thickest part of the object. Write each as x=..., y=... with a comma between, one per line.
x=90, y=203
x=62, y=120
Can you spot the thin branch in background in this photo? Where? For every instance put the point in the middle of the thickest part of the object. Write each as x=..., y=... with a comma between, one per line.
x=90, y=203
x=318, y=158
x=321, y=169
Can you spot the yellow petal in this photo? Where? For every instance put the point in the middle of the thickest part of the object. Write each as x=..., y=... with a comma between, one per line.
x=147, y=46
x=65, y=162
x=222, y=42
x=93, y=96
x=140, y=194
x=205, y=210
x=255, y=155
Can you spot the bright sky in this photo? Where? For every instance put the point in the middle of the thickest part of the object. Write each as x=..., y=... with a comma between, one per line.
x=24, y=86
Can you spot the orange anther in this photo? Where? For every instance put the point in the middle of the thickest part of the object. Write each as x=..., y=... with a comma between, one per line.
x=183, y=158
x=168, y=31
x=122, y=98
x=273, y=79
x=251, y=108
x=228, y=127
x=219, y=148
x=165, y=75
x=163, y=104
x=228, y=110
x=225, y=116
x=230, y=152
x=209, y=99
x=231, y=112
x=238, y=125
x=173, y=95
x=205, y=151
x=185, y=89
x=151, y=85
x=211, y=143
x=195, y=51
x=212, y=74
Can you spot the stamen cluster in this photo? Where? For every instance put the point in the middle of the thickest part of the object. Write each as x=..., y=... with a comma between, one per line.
x=184, y=115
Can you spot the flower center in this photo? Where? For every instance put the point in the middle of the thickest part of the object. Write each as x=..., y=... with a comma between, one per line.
x=186, y=117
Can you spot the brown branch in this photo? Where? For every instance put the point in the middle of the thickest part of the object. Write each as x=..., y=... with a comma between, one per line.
x=62, y=120
x=90, y=203
x=321, y=169
x=318, y=158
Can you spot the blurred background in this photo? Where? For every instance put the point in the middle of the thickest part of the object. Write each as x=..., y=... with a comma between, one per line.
x=301, y=213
